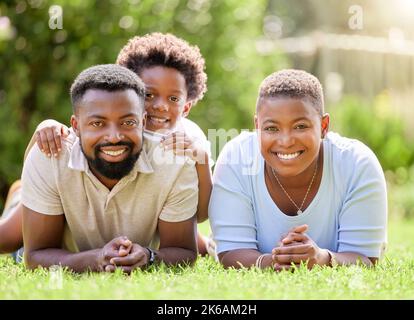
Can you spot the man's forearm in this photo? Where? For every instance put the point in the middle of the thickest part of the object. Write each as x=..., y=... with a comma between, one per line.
x=175, y=256
x=78, y=262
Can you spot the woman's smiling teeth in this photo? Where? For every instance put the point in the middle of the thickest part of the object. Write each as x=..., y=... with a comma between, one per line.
x=288, y=156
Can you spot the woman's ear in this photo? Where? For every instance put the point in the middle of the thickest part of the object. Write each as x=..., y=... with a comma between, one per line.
x=75, y=125
x=325, y=125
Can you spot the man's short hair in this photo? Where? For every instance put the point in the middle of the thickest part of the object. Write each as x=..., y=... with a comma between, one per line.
x=109, y=77
x=166, y=50
x=291, y=83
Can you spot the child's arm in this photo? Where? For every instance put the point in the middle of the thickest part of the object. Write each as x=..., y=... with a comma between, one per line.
x=205, y=184
x=48, y=136
x=182, y=144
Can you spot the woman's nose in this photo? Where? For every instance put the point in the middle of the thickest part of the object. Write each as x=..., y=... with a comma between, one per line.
x=286, y=139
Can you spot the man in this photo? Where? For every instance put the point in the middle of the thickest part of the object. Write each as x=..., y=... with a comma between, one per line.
x=115, y=201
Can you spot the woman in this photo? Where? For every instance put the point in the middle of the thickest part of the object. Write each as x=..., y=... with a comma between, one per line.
x=293, y=193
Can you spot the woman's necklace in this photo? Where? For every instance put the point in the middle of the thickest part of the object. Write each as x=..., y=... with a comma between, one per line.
x=307, y=192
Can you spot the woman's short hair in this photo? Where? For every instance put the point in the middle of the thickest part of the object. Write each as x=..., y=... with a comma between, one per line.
x=291, y=83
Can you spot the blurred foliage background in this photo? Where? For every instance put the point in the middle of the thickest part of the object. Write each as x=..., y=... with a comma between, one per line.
x=362, y=51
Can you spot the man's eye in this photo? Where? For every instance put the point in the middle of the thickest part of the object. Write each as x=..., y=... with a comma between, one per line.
x=149, y=96
x=174, y=99
x=129, y=123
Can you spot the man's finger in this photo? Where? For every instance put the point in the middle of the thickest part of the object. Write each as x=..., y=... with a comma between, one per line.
x=124, y=250
x=109, y=268
x=133, y=258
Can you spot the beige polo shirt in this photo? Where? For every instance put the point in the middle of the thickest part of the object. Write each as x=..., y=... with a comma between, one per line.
x=160, y=186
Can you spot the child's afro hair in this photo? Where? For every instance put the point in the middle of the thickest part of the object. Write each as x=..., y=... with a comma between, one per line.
x=157, y=49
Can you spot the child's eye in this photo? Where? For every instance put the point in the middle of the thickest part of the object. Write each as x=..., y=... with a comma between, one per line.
x=97, y=124
x=149, y=96
x=174, y=99
x=129, y=123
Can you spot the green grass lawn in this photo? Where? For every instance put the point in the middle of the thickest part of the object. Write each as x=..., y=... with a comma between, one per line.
x=392, y=279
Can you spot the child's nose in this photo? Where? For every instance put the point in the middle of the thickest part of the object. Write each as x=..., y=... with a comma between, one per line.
x=160, y=105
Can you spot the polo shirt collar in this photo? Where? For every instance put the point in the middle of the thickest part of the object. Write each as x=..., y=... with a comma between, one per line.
x=78, y=161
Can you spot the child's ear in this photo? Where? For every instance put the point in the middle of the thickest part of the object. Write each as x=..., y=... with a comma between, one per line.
x=255, y=122
x=325, y=125
x=144, y=119
x=187, y=108
x=75, y=125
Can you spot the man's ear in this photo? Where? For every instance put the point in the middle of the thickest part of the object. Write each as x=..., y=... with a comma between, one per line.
x=325, y=125
x=187, y=108
x=75, y=124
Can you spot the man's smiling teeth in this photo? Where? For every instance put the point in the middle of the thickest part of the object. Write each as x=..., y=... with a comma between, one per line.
x=114, y=153
x=288, y=156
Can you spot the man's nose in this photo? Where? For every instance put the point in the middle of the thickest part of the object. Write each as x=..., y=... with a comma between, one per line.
x=113, y=135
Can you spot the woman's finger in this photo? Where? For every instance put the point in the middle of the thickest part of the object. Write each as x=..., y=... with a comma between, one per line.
x=298, y=248
x=291, y=237
x=289, y=258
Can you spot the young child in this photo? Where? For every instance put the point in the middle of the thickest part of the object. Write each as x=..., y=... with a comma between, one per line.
x=173, y=73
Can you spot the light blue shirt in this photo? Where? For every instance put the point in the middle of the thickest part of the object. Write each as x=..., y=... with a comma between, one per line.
x=348, y=213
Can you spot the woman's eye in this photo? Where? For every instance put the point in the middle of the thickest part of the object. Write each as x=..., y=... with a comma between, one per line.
x=174, y=99
x=301, y=126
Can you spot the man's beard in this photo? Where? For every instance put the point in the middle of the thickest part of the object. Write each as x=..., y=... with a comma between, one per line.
x=112, y=170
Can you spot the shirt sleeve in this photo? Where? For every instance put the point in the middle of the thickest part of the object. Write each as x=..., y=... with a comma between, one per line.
x=181, y=203
x=363, y=218
x=231, y=211
x=39, y=188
